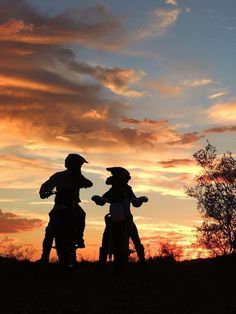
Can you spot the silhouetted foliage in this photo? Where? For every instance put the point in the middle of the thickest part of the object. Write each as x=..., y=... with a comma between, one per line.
x=215, y=192
x=171, y=250
x=19, y=252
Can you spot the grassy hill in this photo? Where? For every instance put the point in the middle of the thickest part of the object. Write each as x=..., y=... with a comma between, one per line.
x=198, y=286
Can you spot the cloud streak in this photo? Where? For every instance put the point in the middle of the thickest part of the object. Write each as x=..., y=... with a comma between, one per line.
x=221, y=129
x=93, y=27
x=161, y=21
x=13, y=223
x=217, y=94
x=175, y=163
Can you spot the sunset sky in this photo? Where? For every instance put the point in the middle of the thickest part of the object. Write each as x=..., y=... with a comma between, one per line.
x=137, y=84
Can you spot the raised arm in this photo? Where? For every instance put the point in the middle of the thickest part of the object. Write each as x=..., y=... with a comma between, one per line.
x=47, y=187
x=137, y=201
x=86, y=183
x=102, y=200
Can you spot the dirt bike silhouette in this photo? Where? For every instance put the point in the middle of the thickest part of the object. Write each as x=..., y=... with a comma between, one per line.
x=67, y=218
x=63, y=231
x=116, y=236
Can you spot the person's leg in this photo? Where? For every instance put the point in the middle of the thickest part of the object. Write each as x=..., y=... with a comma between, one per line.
x=104, y=249
x=47, y=243
x=80, y=216
x=137, y=243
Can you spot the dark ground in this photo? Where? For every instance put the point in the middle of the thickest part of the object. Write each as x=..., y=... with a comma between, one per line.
x=200, y=286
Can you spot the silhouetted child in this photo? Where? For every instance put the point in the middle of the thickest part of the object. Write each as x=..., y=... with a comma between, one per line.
x=120, y=193
x=66, y=186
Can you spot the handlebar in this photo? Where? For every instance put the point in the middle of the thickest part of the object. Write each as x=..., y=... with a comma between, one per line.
x=102, y=200
x=47, y=194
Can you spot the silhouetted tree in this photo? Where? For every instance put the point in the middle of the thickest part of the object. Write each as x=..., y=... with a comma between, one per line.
x=215, y=192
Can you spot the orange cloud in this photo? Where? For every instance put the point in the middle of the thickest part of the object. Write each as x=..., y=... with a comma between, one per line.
x=44, y=97
x=14, y=82
x=14, y=26
x=13, y=223
x=116, y=79
x=96, y=114
x=225, y=112
x=53, y=103
x=187, y=138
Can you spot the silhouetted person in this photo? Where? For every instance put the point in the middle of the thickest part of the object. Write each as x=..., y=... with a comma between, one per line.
x=66, y=186
x=120, y=192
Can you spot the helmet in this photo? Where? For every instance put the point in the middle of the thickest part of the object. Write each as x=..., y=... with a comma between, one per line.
x=119, y=173
x=74, y=161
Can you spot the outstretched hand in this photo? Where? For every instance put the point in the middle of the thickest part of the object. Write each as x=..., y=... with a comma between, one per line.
x=98, y=200
x=95, y=198
x=143, y=199
x=138, y=201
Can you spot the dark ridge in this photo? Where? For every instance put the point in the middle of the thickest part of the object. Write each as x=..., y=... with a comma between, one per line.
x=164, y=286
